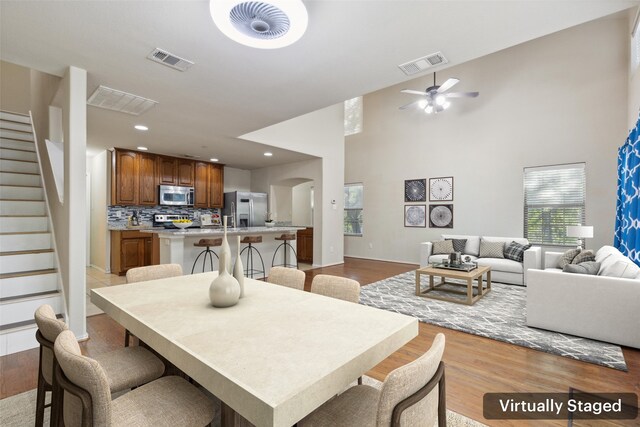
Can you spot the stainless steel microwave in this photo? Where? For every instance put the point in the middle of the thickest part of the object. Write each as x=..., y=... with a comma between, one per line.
x=173, y=195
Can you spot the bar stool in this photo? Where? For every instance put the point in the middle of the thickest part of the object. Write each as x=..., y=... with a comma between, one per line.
x=206, y=243
x=249, y=270
x=285, y=245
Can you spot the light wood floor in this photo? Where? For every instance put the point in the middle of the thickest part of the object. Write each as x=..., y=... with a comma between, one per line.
x=474, y=365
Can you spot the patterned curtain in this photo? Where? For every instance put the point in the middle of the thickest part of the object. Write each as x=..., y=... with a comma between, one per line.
x=627, y=235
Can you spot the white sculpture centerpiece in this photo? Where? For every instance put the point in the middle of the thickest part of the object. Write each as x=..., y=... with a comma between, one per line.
x=225, y=289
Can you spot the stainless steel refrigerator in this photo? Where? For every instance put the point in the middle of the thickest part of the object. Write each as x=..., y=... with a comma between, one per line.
x=248, y=209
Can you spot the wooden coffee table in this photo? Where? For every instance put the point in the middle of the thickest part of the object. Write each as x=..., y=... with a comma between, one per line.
x=444, y=274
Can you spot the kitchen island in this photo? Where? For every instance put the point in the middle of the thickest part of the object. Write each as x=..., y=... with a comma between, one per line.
x=177, y=246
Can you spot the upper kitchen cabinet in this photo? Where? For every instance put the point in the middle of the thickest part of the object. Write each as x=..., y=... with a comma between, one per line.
x=186, y=172
x=125, y=178
x=148, y=190
x=208, y=186
x=167, y=170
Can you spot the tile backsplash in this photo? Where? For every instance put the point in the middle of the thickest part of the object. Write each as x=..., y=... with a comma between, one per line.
x=146, y=213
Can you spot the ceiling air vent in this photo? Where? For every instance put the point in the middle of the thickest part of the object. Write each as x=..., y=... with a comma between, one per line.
x=116, y=100
x=170, y=60
x=421, y=64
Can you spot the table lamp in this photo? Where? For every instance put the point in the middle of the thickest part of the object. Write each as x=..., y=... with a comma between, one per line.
x=582, y=232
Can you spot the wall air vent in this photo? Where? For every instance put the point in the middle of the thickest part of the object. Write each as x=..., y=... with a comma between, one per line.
x=116, y=100
x=165, y=58
x=421, y=64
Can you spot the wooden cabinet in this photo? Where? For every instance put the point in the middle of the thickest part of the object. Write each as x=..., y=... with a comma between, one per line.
x=167, y=170
x=185, y=172
x=125, y=178
x=131, y=249
x=208, y=185
x=148, y=188
x=305, y=245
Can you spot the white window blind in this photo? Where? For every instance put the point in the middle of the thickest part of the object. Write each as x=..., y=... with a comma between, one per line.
x=554, y=197
x=353, y=116
x=635, y=45
x=353, y=194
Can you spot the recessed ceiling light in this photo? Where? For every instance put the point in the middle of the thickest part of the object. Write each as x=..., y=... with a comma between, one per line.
x=142, y=148
x=213, y=160
x=141, y=127
x=268, y=154
x=266, y=25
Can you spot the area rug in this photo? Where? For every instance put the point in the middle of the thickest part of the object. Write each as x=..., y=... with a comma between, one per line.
x=19, y=411
x=500, y=315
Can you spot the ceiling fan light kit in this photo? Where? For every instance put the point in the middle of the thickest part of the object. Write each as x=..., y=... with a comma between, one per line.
x=436, y=97
x=268, y=24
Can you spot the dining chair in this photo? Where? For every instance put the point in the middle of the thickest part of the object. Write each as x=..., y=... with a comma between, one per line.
x=412, y=395
x=289, y=277
x=150, y=272
x=86, y=399
x=125, y=368
x=336, y=287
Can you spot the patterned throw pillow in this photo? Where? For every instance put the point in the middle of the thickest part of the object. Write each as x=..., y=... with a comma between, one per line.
x=515, y=251
x=584, y=256
x=442, y=247
x=491, y=249
x=458, y=244
x=567, y=257
x=587, y=267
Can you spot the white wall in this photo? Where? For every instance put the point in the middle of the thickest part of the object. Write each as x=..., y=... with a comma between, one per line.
x=548, y=101
x=301, y=213
x=236, y=179
x=321, y=134
x=98, y=169
x=280, y=202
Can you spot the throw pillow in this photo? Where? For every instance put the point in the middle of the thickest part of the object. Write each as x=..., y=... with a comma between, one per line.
x=621, y=268
x=458, y=244
x=442, y=247
x=491, y=249
x=587, y=267
x=584, y=256
x=515, y=251
x=567, y=257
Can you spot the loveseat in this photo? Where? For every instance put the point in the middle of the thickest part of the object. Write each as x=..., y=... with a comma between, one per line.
x=600, y=307
x=502, y=270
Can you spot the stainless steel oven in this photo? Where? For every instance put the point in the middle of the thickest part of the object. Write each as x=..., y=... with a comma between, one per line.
x=173, y=195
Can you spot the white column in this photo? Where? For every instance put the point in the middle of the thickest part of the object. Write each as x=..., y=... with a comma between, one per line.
x=172, y=251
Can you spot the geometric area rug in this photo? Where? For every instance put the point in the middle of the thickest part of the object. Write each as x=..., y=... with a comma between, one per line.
x=500, y=315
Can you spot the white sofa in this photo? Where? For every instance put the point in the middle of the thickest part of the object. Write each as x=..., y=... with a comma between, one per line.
x=598, y=307
x=502, y=270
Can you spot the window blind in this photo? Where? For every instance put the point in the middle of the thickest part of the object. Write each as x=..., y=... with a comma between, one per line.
x=554, y=197
x=635, y=45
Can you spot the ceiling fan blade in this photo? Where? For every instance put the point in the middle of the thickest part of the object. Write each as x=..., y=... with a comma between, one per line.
x=448, y=85
x=411, y=104
x=414, y=92
x=462, y=94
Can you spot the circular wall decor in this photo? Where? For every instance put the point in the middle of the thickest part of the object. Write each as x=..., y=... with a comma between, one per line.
x=441, y=216
x=441, y=189
x=415, y=216
x=415, y=190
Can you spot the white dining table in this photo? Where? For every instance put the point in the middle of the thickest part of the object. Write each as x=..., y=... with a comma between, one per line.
x=274, y=357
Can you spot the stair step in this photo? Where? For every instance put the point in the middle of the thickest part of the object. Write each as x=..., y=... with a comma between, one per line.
x=17, y=144
x=28, y=283
x=22, y=261
x=22, y=207
x=19, y=166
x=18, y=338
x=25, y=241
x=14, y=117
x=26, y=224
x=21, y=309
x=14, y=134
x=14, y=178
x=21, y=193
x=12, y=125
x=13, y=154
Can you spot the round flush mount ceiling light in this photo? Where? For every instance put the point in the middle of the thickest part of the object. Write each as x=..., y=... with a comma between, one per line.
x=141, y=127
x=268, y=24
x=142, y=148
x=213, y=160
x=268, y=154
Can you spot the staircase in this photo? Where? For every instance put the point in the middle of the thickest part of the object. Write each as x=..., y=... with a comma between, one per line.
x=28, y=274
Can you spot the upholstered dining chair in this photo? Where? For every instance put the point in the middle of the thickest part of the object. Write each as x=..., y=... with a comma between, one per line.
x=336, y=287
x=412, y=395
x=150, y=272
x=289, y=277
x=125, y=368
x=87, y=401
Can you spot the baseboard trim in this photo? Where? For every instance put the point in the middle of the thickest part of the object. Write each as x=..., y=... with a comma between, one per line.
x=383, y=260
x=98, y=268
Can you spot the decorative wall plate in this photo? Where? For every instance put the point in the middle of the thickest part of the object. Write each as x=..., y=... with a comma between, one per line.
x=415, y=215
x=441, y=189
x=440, y=216
x=415, y=190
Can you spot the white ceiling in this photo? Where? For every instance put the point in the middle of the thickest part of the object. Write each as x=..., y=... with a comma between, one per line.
x=350, y=48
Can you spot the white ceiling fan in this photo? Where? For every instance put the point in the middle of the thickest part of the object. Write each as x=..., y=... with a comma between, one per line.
x=436, y=98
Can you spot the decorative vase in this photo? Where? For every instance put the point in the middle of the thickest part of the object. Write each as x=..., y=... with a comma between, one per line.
x=224, y=290
x=224, y=262
x=238, y=270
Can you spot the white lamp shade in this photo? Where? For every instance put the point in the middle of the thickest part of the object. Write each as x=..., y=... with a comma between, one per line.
x=580, y=231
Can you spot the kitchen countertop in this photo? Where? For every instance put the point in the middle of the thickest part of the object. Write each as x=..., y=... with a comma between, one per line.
x=218, y=231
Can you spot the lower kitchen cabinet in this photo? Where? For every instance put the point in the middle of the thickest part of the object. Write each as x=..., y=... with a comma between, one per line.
x=131, y=249
x=305, y=245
